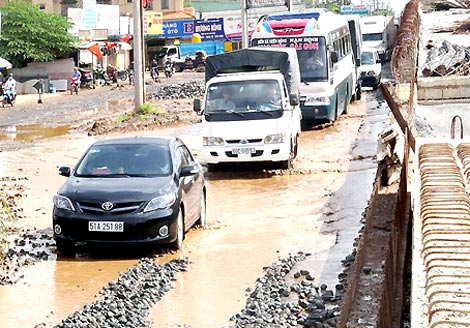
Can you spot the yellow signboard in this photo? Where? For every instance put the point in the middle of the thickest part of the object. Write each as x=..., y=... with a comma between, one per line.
x=153, y=22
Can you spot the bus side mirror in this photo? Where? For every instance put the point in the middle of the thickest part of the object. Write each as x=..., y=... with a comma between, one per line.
x=197, y=106
x=334, y=56
x=294, y=99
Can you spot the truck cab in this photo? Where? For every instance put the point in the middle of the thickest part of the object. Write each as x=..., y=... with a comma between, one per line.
x=252, y=114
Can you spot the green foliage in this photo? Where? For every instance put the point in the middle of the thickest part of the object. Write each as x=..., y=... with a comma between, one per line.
x=5, y=215
x=148, y=108
x=382, y=12
x=123, y=117
x=145, y=110
x=29, y=34
x=331, y=5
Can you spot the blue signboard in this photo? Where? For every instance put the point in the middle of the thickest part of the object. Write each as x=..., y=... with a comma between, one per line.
x=178, y=29
x=211, y=29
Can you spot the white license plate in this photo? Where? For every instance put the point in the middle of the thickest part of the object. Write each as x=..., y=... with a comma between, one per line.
x=106, y=226
x=243, y=151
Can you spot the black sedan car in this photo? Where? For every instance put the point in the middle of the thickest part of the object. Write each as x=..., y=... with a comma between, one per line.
x=130, y=190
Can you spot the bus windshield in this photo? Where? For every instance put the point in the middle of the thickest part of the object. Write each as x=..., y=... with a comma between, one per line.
x=313, y=62
x=311, y=52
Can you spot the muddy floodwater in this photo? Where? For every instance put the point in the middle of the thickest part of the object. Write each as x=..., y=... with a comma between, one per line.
x=254, y=217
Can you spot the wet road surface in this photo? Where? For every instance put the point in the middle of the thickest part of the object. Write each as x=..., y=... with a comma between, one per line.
x=254, y=217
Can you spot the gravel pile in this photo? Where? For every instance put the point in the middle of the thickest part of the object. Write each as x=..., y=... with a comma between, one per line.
x=26, y=249
x=185, y=90
x=275, y=303
x=126, y=301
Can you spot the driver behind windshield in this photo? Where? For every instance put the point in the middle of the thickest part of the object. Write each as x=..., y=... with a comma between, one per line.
x=223, y=103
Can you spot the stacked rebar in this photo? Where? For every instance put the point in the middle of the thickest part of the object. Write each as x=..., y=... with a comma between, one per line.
x=405, y=53
x=445, y=233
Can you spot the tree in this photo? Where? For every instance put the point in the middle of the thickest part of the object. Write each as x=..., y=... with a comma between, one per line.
x=29, y=34
x=334, y=5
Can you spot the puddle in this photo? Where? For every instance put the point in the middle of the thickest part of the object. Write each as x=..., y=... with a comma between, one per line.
x=31, y=132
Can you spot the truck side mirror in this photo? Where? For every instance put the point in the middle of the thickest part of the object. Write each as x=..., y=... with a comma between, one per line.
x=294, y=99
x=334, y=56
x=197, y=106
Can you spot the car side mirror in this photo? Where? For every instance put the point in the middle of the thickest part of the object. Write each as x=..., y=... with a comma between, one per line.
x=358, y=61
x=189, y=170
x=294, y=99
x=65, y=171
x=197, y=106
x=334, y=56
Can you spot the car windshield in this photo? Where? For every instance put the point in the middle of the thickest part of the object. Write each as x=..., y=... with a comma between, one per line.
x=125, y=160
x=240, y=97
x=367, y=58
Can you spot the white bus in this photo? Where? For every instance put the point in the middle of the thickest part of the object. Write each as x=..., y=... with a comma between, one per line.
x=324, y=49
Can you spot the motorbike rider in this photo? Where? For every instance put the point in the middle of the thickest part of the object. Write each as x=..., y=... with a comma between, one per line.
x=9, y=87
x=168, y=67
x=154, y=69
x=76, y=75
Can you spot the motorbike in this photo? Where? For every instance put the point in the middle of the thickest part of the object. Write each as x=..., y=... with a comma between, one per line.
x=8, y=97
x=74, y=85
x=122, y=75
x=100, y=75
x=87, y=80
x=169, y=69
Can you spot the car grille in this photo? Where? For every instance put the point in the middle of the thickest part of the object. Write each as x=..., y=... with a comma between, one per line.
x=237, y=141
x=118, y=208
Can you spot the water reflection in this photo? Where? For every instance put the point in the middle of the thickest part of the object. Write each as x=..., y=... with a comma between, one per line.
x=31, y=132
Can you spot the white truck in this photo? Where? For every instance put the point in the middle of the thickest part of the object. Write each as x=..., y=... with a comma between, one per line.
x=261, y=121
x=379, y=32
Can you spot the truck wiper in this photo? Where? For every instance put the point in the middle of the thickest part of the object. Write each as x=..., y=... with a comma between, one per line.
x=264, y=112
x=236, y=113
x=304, y=81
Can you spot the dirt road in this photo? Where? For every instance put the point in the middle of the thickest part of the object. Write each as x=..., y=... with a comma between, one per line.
x=255, y=217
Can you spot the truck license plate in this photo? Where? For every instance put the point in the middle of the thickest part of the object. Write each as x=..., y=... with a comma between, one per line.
x=243, y=150
x=106, y=226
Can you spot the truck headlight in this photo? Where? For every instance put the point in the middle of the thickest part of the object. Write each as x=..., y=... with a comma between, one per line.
x=315, y=101
x=212, y=141
x=63, y=202
x=275, y=138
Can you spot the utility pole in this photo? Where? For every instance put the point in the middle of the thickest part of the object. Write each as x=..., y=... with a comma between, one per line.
x=244, y=24
x=139, y=85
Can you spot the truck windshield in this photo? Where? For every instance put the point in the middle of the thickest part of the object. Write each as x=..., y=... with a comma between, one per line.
x=163, y=52
x=240, y=97
x=372, y=37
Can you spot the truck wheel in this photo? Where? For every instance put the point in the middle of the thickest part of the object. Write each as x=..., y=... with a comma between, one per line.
x=212, y=167
x=179, y=68
x=200, y=67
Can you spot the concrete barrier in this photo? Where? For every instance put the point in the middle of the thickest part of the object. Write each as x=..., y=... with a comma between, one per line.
x=443, y=88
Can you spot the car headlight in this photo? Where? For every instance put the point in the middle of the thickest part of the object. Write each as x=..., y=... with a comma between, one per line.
x=315, y=101
x=160, y=202
x=275, y=138
x=63, y=202
x=212, y=141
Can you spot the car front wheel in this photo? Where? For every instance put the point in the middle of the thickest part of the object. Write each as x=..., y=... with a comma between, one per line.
x=178, y=243
x=65, y=248
x=202, y=216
